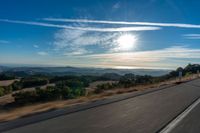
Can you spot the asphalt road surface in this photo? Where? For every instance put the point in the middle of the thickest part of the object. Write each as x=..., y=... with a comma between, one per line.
x=191, y=123
x=148, y=113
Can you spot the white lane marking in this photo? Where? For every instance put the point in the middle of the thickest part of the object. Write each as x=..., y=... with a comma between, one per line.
x=180, y=117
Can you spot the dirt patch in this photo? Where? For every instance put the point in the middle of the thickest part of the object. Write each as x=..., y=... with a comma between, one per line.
x=6, y=82
x=6, y=99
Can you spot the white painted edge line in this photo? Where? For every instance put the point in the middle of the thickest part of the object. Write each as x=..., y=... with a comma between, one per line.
x=179, y=118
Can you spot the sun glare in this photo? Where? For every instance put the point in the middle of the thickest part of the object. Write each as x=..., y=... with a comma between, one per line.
x=126, y=42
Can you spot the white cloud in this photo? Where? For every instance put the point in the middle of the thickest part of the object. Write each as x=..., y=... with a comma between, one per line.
x=42, y=53
x=35, y=46
x=178, y=25
x=136, y=28
x=192, y=36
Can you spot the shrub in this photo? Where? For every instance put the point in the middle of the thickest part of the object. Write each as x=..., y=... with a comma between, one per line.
x=8, y=89
x=25, y=83
x=16, y=86
x=98, y=90
x=5, y=90
x=50, y=93
x=107, y=86
x=78, y=92
x=1, y=91
x=33, y=82
x=25, y=97
x=71, y=88
x=67, y=93
x=74, y=83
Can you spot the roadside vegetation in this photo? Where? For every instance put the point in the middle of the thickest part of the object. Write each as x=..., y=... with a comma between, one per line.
x=77, y=87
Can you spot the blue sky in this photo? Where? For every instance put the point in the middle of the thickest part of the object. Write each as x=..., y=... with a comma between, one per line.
x=161, y=34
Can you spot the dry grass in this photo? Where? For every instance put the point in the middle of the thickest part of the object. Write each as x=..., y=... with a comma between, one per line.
x=6, y=82
x=6, y=115
x=6, y=99
x=33, y=88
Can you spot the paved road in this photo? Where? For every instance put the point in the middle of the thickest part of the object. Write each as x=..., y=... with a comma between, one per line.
x=143, y=114
x=191, y=123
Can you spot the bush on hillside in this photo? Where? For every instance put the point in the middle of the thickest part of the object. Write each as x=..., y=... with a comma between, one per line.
x=1, y=91
x=25, y=97
x=58, y=92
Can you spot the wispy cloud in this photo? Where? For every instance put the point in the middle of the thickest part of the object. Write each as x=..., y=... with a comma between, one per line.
x=96, y=29
x=156, y=55
x=167, y=57
x=78, y=41
x=178, y=25
x=192, y=36
x=74, y=42
x=42, y=53
x=4, y=42
x=116, y=5
x=35, y=46
x=76, y=52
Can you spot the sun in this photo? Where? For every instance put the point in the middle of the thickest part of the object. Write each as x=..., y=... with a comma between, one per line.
x=126, y=42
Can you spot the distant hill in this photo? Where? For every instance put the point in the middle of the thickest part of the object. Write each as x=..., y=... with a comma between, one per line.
x=3, y=68
x=59, y=71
